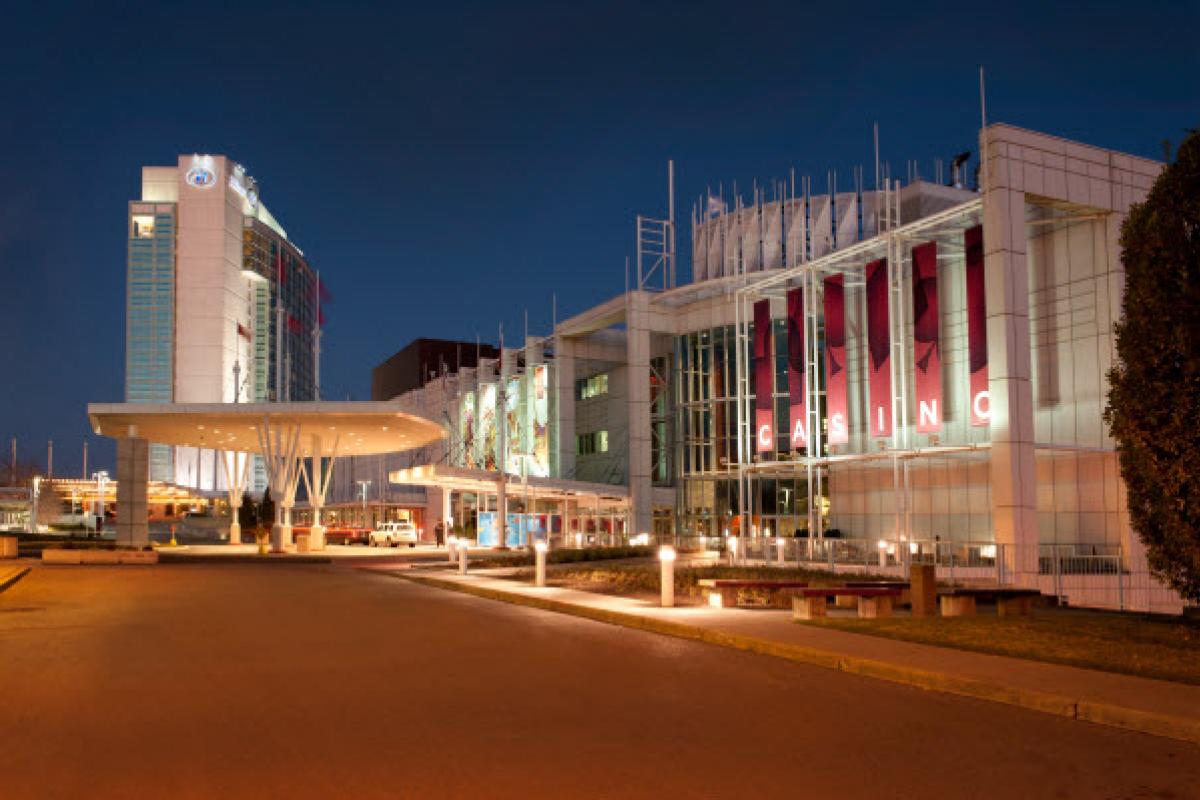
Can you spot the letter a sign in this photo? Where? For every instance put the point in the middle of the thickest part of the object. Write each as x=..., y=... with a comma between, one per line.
x=796, y=368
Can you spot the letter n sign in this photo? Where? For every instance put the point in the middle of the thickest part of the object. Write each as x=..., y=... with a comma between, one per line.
x=927, y=355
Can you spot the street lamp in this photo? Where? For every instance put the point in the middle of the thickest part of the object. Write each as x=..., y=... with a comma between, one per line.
x=101, y=478
x=540, y=549
x=666, y=555
x=33, y=505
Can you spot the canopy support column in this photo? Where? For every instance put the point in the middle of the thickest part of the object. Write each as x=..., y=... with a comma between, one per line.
x=236, y=467
x=317, y=487
x=283, y=467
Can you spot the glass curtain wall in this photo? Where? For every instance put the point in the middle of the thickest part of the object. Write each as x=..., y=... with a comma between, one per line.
x=150, y=320
x=708, y=497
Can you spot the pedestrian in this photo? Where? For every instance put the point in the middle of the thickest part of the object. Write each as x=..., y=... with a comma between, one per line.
x=439, y=533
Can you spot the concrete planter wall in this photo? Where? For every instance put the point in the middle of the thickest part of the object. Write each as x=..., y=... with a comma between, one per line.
x=55, y=556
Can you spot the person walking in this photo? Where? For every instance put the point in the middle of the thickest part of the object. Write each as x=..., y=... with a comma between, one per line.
x=439, y=533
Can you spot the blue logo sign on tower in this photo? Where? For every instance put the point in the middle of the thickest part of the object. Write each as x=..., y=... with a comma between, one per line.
x=201, y=177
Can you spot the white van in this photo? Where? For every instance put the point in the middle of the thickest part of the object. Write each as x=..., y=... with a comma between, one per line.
x=392, y=534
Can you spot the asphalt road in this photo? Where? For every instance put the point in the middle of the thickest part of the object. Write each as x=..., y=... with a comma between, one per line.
x=321, y=681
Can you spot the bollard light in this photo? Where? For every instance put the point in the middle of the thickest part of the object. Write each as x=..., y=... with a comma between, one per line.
x=733, y=547
x=462, y=559
x=539, y=553
x=666, y=556
x=451, y=548
x=883, y=553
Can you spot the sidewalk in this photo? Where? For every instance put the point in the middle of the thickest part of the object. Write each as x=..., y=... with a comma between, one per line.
x=1140, y=704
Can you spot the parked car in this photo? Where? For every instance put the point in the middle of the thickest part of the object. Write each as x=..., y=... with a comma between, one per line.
x=347, y=536
x=394, y=533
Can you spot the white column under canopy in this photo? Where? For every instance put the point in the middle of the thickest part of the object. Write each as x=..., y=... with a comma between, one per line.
x=282, y=455
x=316, y=486
x=236, y=467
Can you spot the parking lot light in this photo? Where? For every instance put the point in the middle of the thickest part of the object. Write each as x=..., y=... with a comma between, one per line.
x=666, y=557
x=539, y=553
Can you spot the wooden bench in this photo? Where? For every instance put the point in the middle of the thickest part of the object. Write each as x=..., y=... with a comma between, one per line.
x=723, y=593
x=873, y=601
x=959, y=601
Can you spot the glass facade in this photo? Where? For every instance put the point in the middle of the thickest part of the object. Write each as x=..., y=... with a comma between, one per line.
x=150, y=316
x=709, y=501
x=287, y=306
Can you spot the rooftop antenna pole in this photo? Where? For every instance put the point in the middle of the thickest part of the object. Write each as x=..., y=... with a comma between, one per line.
x=671, y=216
x=877, y=220
x=317, y=341
x=983, y=122
x=553, y=312
x=12, y=465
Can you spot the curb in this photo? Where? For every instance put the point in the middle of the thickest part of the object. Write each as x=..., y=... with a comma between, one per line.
x=7, y=579
x=1185, y=729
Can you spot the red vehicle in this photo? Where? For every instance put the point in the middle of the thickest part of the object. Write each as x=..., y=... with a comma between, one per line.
x=347, y=536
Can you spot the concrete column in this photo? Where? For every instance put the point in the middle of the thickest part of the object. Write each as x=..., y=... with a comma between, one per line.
x=133, y=472
x=316, y=534
x=564, y=392
x=277, y=529
x=637, y=344
x=235, y=527
x=502, y=511
x=1013, y=474
x=287, y=523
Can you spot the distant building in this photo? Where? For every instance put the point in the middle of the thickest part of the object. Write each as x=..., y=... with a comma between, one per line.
x=421, y=360
x=220, y=305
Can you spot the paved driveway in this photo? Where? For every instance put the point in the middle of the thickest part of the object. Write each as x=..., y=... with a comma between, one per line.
x=322, y=681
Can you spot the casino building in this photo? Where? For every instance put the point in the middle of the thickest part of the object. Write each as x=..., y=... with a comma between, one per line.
x=912, y=371
x=221, y=306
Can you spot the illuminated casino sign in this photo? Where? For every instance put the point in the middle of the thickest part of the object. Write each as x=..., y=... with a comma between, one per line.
x=201, y=177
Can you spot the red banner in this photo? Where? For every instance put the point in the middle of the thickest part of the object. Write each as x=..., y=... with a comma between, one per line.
x=977, y=353
x=837, y=406
x=764, y=371
x=879, y=350
x=796, y=368
x=927, y=353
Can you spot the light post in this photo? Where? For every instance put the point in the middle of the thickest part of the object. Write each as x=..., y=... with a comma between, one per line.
x=363, y=486
x=101, y=479
x=462, y=560
x=539, y=551
x=33, y=504
x=666, y=557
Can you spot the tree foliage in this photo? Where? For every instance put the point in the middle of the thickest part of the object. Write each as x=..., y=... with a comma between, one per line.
x=266, y=509
x=1154, y=401
x=247, y=514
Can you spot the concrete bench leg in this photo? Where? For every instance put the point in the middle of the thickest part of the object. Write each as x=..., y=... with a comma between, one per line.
x=1014, y=606
x=782, y=598
x=845, y=601
x=808, y=607
x=953, y=606
x=874, y=607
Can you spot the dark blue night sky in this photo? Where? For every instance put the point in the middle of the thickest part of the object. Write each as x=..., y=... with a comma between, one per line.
x=448, y=168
